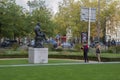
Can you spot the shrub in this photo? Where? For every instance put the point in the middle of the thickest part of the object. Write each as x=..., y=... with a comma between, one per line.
x=113, y=49
x=118, y=49
x=15, y=46
x=59, y=48
x=78, y=47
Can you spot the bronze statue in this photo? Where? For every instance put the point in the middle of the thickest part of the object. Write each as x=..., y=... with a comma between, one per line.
x=40, y=37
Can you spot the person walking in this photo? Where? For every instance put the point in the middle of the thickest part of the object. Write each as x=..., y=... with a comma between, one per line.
x=98, y=51
x=85, y=52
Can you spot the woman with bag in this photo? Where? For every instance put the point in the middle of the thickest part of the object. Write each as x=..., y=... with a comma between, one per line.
x=98, y=51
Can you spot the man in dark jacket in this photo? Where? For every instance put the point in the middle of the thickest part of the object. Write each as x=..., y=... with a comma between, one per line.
x=85, y=52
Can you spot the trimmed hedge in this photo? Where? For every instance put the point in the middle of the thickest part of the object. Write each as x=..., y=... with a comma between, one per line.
x=13, y=55
x=61, y=57
x=81, y=57
x=63, y=54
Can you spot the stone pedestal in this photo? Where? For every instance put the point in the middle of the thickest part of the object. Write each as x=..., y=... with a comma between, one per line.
x=38, y=55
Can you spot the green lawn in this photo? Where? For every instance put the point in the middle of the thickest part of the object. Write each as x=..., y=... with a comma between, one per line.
x=25, y=61
x=60, y=72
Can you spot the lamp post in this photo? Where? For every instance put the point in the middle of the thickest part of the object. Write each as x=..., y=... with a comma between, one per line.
x=89, y=23
x=98, y=23
x=88, y=15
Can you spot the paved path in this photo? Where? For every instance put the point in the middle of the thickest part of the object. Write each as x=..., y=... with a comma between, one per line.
x=54, y=64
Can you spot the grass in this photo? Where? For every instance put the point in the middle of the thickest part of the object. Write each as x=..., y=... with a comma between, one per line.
x=59, y=72
x=25, y=61
x=13, y=61
x=62, y=72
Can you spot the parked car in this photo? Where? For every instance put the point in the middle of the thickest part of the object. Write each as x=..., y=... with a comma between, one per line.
x=8, y=43
x=93, y=44
x=53, y=42
x=66, y=45
x=32, y=43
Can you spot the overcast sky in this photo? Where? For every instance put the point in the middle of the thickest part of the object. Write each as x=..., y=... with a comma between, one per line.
x=53, y=4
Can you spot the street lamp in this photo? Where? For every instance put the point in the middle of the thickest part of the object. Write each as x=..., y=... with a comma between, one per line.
x=98, y=23
x=89, y=15
x=89, y=24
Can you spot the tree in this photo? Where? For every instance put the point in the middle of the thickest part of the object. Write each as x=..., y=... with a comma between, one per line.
x=110, y=18
x=40, y=13
x=11, y=19
x=69, y=15
x=15, y=21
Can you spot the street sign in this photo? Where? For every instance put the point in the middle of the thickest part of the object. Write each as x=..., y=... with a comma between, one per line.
x=85, y=14
x=84, y=37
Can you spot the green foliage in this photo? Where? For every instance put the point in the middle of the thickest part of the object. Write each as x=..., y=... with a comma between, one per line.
x=11, y=17
x=59, y=48
x=15, y=46
x=49, y=46
x=78, y=47
x=15, y=21
x=43, y=15
x=61, y=72
x=14, y=50
x=113, y=49
x=69, y=15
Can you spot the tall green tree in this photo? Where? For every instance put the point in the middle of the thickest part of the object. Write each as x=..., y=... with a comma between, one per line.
x=69, y=15
x=40, y=13
x=11, y=19
x=110, y=17
x=15, y=21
